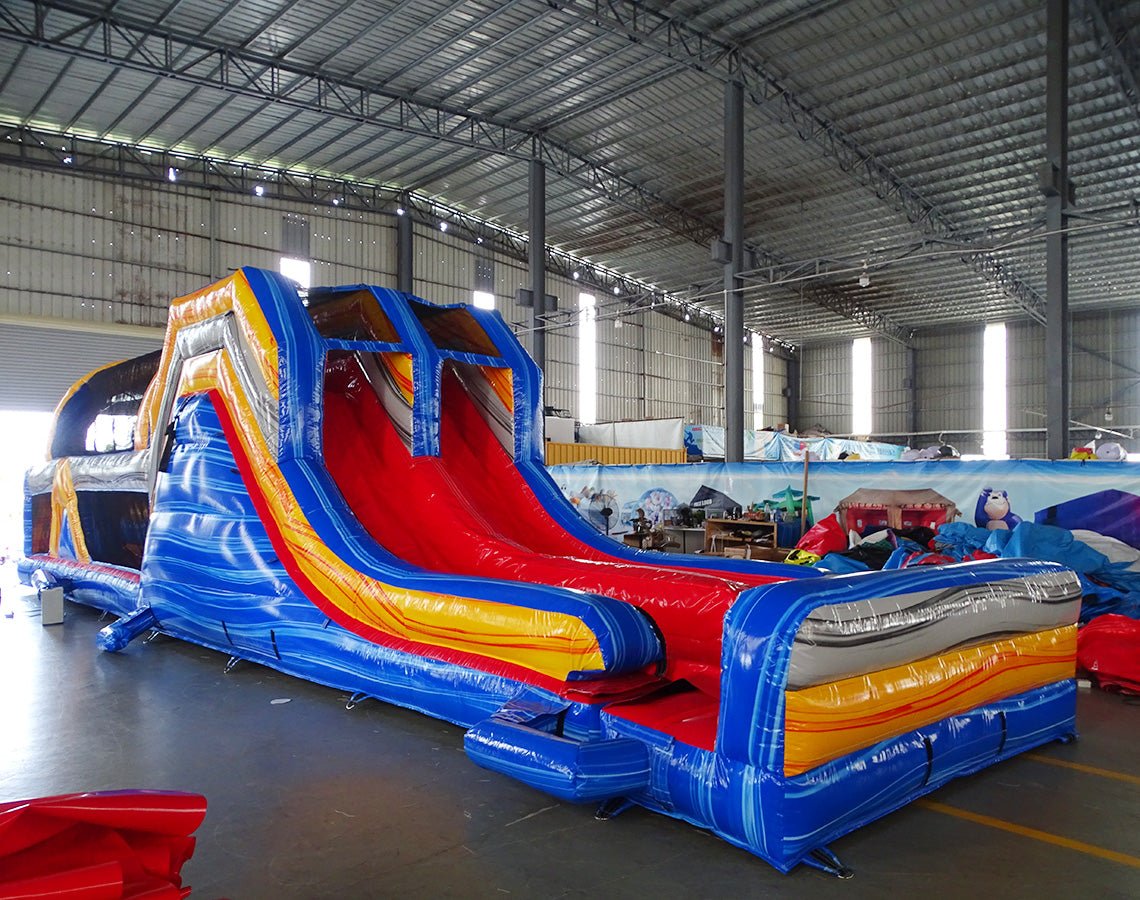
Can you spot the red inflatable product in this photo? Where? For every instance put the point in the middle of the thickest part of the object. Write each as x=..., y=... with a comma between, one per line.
x=1109, y=648
x=98, y=846
x=827, y=536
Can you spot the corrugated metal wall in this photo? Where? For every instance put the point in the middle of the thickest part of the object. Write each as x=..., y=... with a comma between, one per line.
x=892, y=397
x=1025, y=389
x=444, y=266
x=1106, y=373
x=825, y=387
x=87, y=249
x=684, y=373
x=38, y=365
x=83, y=249
x=1105, y=377
x=93, y=250
x=349, y=247
x=561, y=376
x=949, y=387
x=946, y=394
x=775, y=383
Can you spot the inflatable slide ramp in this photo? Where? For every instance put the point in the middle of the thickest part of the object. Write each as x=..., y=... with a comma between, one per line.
x=348, y=487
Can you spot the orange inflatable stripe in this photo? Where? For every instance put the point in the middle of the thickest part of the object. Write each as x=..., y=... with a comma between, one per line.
x=826, y=721
x=502, y=382
x=230, y=295
x=399, y=365
x=550, y=643
x=65, y=503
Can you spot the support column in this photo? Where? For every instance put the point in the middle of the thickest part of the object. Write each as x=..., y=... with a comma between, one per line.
x=537, y=260
x=793, y=393
x=733, y=295
x=911, y=393
x=404, y=256
x=215, y=233
x=1057, y=195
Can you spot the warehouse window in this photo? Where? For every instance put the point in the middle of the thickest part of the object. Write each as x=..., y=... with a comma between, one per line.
x=299, y=270
x=861, y=386
x=757, y=383
x=483, y=300
x=994, y=415
x=587, y=359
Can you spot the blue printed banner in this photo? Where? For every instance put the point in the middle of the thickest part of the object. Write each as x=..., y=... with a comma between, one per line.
x=1098, y=496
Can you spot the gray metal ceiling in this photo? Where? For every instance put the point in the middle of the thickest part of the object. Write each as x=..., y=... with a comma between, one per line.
x=904, y=137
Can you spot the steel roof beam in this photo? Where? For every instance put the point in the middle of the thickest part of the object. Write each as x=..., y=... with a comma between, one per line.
x=143, y=47
x=729, y=62
x=439, y=48
x=422, y=180
x=486, y=74
x=264, y=79
x=479, y=50
x=613, y=96
x=21, y=145
x=14, y=68
x=1121, y=55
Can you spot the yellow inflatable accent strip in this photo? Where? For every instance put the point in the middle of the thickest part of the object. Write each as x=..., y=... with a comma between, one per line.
x=232, y=294
x=827, y=721
x=502, y=381
x=399, y=366
x=65, y=502
x=552, y=643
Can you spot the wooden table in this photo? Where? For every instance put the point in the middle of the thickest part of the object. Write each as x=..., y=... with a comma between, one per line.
x=746, y=533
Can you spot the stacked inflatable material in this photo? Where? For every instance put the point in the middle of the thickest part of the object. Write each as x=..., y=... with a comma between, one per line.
x=350, y=488
x=105, y=844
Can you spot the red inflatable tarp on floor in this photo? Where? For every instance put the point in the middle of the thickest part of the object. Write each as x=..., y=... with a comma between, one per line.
x=110, y=844
x=1109, y=648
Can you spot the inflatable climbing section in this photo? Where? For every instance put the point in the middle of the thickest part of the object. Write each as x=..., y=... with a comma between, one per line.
x=348, y=487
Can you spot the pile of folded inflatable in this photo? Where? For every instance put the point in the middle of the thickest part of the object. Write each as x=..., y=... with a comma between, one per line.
x=1108, y=569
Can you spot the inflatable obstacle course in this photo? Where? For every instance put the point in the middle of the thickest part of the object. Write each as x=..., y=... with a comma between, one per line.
x=349, y=488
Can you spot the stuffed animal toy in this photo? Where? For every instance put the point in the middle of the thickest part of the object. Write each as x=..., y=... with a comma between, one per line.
x=993, y=511
x=1111, y=451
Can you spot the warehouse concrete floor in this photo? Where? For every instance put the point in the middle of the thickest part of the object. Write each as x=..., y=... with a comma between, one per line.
x=309, y=800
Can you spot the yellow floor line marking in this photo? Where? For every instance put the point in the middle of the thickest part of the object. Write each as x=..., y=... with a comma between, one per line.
x=1081, y=767
x=1044, y=836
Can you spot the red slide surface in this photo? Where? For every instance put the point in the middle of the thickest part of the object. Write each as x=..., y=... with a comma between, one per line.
x=468, y=513
x=493, y=485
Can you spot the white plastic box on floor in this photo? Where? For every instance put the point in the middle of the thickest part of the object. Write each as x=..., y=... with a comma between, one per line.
x=51, y=606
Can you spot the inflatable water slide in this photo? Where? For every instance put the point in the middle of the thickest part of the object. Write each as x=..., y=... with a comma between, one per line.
x=348, y=487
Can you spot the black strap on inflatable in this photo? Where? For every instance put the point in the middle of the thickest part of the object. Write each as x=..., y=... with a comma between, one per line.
x=929, y=760
x=167, y=446
x=1001, y=746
